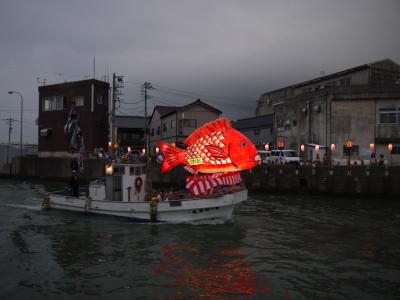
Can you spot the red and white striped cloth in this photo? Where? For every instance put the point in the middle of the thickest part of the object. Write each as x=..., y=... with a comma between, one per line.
x=201, y=185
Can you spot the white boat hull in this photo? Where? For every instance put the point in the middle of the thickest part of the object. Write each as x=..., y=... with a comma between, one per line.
x=176, y=211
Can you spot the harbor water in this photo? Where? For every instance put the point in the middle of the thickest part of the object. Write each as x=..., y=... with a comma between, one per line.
x=276, y=247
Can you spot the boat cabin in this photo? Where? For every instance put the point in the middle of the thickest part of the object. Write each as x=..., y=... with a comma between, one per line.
x=124, y=182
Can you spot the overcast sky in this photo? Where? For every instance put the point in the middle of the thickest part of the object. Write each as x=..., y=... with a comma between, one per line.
x=225, y=52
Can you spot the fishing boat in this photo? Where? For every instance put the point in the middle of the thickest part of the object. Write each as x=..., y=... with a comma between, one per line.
x=215, y=155
x=122, y=194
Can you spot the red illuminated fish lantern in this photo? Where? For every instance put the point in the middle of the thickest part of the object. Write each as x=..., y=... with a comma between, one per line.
x=213, y=148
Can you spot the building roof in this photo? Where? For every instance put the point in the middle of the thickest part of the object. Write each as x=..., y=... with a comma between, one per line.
x=255, y=122
x=165, y=110
x=162, y=110
x=72, y=84
x=197, y=102
x=129, y=121
x=333, y=75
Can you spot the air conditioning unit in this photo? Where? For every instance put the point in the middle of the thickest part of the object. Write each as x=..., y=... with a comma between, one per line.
x=45, y=132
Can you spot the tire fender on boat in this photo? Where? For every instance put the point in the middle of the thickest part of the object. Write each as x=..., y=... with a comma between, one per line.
x=138, y=184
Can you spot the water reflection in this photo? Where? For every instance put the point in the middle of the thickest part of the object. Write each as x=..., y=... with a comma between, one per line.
x=219, y=275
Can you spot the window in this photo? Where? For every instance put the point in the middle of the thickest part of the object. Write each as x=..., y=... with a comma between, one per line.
x=158, y=130
x=46, y=106
x=345, y=82
x=134, y=171
x=190, y=123
x=353, y=151
x=59, y=101
x=389, y=115
x=173, y=123
x=164, y=127
x=99, y=99
x=78, y=100
x=152, y=132
x=53, y=103
x=119, y=170
x=396, y=149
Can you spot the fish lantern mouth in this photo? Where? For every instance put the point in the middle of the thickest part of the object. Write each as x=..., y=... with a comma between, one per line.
x=257, y=159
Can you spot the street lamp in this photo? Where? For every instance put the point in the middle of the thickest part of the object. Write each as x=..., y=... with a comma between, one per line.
x=349, y=145
x=22, y=109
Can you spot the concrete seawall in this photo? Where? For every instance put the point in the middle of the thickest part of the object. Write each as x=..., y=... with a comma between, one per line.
x=340, y=180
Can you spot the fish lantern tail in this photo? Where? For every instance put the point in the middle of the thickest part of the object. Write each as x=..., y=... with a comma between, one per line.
x=171, y=156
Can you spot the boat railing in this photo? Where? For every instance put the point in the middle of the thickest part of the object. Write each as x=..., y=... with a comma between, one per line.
x=68, y=192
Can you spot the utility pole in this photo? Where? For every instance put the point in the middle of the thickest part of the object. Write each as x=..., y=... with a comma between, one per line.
x=118, y=83
x=94, y=67
x=10, y=124
x=147, y=86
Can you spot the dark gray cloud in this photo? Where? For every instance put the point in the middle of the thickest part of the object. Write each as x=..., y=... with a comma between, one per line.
x=231, y=51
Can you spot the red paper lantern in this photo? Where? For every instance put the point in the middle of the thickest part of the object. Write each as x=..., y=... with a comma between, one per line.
x=390, y=147
x=333, y=147
x=302, y=147
x=372, y=147
x=281, y=144
x=266, y=147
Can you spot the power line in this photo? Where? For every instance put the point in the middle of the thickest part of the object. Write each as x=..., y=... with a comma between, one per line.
x=131, y=103
x=183, y=93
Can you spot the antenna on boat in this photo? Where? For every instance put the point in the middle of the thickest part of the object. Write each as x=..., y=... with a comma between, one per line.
x=147, y=86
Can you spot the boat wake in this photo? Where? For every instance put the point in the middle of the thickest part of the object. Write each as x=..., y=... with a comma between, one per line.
x=25, y=206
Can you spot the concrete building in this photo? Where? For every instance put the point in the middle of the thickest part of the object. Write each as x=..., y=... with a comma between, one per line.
x=174, y=124
x=91, y=98
x=259, y=130
x=361, y=104
x=130, y=132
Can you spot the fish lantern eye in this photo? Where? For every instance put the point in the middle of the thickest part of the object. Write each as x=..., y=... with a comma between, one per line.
x=243, y=144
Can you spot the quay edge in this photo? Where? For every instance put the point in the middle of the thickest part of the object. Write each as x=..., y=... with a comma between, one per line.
x=320, y=179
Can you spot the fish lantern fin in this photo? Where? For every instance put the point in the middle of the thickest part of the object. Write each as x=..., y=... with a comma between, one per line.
x=171, y=156
x=220, y=124
x=216, y=152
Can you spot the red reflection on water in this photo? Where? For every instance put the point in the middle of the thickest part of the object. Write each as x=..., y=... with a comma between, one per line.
x=225, y=275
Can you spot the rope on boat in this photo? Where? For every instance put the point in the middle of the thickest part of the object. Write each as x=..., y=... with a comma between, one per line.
x=153, y=209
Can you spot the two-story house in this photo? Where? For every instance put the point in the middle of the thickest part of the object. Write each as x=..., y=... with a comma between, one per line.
x=174, y=124
x=90, y=100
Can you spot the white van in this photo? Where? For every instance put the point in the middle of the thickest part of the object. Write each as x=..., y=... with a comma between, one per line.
x=284, y=157
x=265, y=156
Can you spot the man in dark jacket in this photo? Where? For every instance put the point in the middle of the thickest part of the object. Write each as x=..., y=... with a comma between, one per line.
x=74, y=184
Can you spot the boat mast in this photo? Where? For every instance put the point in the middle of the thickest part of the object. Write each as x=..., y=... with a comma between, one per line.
x=148, y=184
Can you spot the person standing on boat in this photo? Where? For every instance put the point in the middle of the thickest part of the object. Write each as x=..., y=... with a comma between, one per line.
x=74, y=184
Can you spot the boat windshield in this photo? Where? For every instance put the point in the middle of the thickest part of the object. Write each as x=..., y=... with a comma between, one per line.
x=290, y=154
